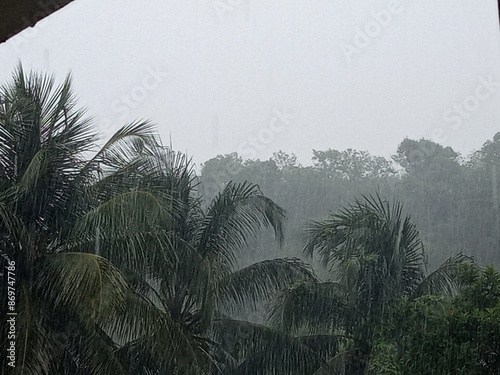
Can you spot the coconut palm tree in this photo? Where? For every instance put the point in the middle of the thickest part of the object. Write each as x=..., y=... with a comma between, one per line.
x=64, y=204
x=375, y=256
x=206, y=284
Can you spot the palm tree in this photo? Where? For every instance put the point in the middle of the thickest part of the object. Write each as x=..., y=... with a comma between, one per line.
x=375, y=257
x=62, y=200
x=205, y=284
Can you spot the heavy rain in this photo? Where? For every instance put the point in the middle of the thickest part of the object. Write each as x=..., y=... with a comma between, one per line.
x=247, y=187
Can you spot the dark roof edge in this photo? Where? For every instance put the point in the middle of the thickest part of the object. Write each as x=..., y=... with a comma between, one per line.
x=17, y=15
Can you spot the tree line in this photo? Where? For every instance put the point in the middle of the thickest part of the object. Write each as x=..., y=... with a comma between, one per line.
x=454, y=200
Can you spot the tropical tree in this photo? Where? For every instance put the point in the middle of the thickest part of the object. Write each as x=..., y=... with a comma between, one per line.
x=375, y=257
x=207, y=284
x=63, y=201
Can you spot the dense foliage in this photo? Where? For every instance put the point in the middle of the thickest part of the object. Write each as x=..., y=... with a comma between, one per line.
x=453, y=200
x=127, y=262
x=432, y=334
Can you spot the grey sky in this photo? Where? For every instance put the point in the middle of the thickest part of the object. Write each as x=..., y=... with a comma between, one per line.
x=218, y=74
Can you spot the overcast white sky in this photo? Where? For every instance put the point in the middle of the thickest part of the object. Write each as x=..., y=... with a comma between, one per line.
x=216, y=75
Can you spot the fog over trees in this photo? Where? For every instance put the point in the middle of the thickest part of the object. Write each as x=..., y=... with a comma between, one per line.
x=453, y=199
x=317, y=191
x=118, y=257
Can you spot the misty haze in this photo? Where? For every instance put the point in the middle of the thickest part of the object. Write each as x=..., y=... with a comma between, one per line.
x=247, y=187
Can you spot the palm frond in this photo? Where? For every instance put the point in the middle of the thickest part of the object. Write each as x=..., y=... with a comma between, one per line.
x=139, y=318
x=82, y=284
x=444, y=280
x=314, y=307
x=262, y=350
x=235, y=216
x=123, y=146
x=92, y=351
x=372, y=233
x=127, y=220
x=255, y=283
x=335, y=365
x=171, y=349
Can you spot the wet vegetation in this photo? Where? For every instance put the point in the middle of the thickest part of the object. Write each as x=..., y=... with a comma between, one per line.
x=128, y=262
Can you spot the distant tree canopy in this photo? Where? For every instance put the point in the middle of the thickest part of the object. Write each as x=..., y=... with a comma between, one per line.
x=351, y=164
x=453, y=200
x=419, y=156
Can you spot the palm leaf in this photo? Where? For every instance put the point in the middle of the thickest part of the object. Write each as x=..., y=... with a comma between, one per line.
x=234, y=216
x=255, y=283
x=314, y=307
x=82, y=284
x=371, y=231
x=262, y=350
x=123, y=146
x=335, y=365
x=444, y=280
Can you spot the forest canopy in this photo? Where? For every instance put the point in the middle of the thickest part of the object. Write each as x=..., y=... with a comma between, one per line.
x=452, y=199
